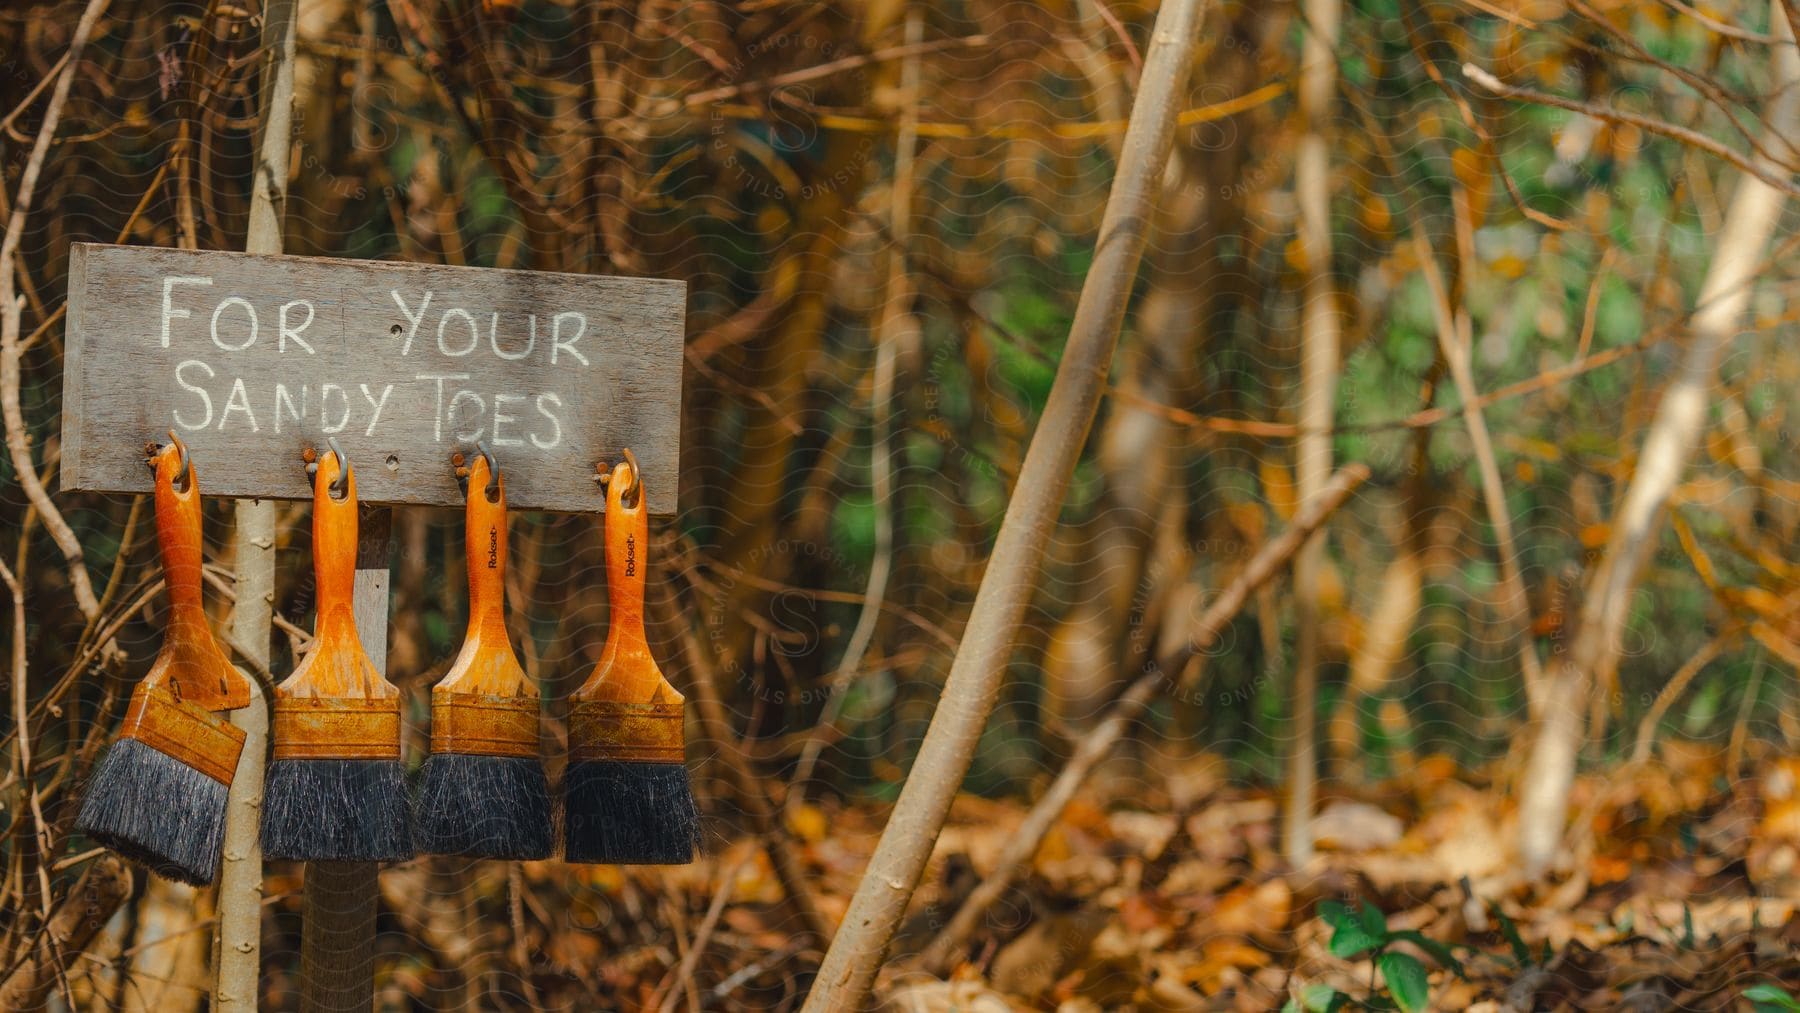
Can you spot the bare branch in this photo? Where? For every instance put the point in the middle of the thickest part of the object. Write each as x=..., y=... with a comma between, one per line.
x=1758, y=168
x=18, y=443
x=1024, y=842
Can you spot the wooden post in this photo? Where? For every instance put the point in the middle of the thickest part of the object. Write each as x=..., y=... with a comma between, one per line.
x=337, y=944
x=237, y=945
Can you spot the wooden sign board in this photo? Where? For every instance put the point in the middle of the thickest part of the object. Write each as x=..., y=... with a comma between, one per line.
x=252, y=359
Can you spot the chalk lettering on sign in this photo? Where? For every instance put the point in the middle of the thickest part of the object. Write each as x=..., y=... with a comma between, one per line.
x=343, y=422
x=437, y=419
x=286, y=333
x=558, y=344
x=283, y=398
x=205, y=399
x=474, y=332
x=219, y=310
x=530, y=340
x=375, y=403
x=169, y=312
x=238, y=401
x=499, y=419
x=555, y=424
x=450, y=415
x=412, y=318
x=176, y=339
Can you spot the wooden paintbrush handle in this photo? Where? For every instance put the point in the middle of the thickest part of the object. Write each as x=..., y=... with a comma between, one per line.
x=484, y=525
x=178, y=536
x=336, y=705
x=485, y=680
x=335, y=668
x=627, y=671
x=191, y=663
x=334, y=548
x=627, y=534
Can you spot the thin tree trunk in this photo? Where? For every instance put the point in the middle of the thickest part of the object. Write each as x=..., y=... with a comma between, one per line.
x=848, y=972
x=237, y=945
x=1318, y=388
x=1676, y=429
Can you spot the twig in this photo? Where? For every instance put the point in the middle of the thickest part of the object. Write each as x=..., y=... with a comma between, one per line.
x=1024, y=842
x=36, y=90
x=21, y=718
x=225, y=582
x=717, y=728
x=17, y=435
x=1721, y=28
x=848, y=972
x=896, y=315
x=1734, y=749
x=96, y=646
x=748, y=579
x=1761, y=169
x=684, y=975
x=1457, y=342
x=1720, y=100
x=99, y=892
x=1678, y=684
x=910, y=53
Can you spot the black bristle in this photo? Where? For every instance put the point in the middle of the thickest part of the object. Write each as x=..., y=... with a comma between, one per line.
x=629, y=813
x=483, y=807
x=336, y=811
x=156, y=811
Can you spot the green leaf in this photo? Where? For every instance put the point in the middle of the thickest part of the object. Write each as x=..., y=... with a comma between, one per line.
x=1520, y=951
x=1406, y=981
x=1373, y=921
x=1336, y=914
x=853, y=526
x=1352, y=939
x=1317, y=998
x=1438, y=951
x=1772, y=997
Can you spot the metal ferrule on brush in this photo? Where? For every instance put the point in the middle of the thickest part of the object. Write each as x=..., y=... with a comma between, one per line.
x=480, y=724
x=626, y=732
x=337, y=729
x=185, y=733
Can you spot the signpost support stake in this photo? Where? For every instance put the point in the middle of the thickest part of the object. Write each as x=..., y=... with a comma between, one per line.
x=337, y=941
x=237, y=944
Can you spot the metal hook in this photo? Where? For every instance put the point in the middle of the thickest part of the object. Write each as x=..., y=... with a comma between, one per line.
x=185, y=465
x=637, y=479
x=493, y=486
x=340, y=486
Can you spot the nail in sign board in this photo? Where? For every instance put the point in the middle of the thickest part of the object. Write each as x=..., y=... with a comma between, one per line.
x=251, y=359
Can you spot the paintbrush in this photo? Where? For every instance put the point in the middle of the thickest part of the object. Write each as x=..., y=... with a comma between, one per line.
x=158, y=796
x=336, y=791
x=626, y=790
x=483, y=792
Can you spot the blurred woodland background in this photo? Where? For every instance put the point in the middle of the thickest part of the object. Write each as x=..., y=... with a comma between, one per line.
x=884, y=213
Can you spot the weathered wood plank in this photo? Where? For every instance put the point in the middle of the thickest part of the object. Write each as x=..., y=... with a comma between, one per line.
x=404, y=363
